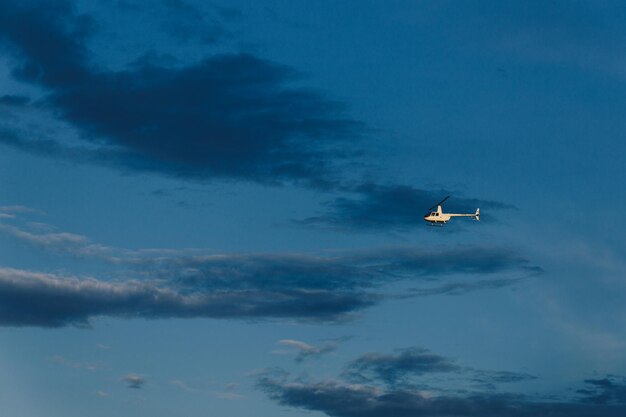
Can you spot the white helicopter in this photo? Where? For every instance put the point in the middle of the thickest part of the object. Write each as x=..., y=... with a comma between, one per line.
x=439, y=217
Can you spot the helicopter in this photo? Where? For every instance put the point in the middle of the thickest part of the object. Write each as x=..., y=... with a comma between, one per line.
x=439, y=217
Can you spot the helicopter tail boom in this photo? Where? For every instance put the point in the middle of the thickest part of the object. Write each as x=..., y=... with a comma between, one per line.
x=474, y=216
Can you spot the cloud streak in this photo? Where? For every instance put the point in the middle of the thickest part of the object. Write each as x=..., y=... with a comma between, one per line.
x=302, y=287
x=306, y=351
x=47, y=300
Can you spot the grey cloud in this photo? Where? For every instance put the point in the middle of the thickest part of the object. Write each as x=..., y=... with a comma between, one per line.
x=491, y=378
x=338, y=399
x=303, y=287
x=134, y=381
x=17, y=209
x=89, y=366
x=306, y=351
x=403, y=368
x=377, y=385
x=460, y=288
x=47, y=300
x=392, y=369
x=608, y=390
x=63, y=242
x=350, y=271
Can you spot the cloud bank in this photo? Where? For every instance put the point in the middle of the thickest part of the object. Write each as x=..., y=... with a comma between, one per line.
x=302, y=287
x=387, y=393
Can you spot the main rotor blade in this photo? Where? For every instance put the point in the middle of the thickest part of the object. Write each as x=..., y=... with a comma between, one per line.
x=439, y=203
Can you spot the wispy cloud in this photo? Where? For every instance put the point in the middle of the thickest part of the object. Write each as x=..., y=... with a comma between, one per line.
x=182, y=385
x=229, y=391
x=306, y=351
x=19, y=209
x=72, y=243
x=88, y=366
x=134, y=381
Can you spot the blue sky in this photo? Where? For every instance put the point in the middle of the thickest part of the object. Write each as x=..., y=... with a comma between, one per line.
x=216, y=208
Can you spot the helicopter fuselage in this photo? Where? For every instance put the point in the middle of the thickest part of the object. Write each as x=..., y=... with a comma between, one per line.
x=437, y=218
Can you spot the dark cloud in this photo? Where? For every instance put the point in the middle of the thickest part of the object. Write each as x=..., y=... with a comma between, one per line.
x=337, y=399
x=393, y=369
x=47, y=300
x=218, y=286
x=489, y=379
x=459, y=288
x=231, y=116
x=48, y=39
x=380, y=389
x=134, y=381
x=352, y=271
x=609, y=390
x=406, y=366
x=228, y=117
x=391, y=207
